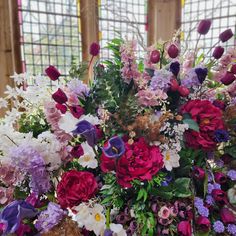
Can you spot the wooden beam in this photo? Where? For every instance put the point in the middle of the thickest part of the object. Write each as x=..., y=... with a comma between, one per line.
x=89, y=29
x=10, y=52
x=164, y=17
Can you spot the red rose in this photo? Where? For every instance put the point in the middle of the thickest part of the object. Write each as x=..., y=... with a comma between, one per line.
x=140, y=161
x=76, y=187
x=184, y=228
x=209, y=119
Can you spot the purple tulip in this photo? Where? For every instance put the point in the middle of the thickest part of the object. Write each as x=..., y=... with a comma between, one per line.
x=94, y=49
x=218, y=52
x=13, y=213
x=173, y=51
x=155, y=56
x=201, y=74
x=204, y=26
x=233, y=69
x=52, y=73
x=60, y=97
x=175, y=68
x=115, y=148
x=226, y=35
x=88, y=131
x=228, y=78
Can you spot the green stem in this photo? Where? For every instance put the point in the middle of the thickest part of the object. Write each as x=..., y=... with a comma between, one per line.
x=108, y=212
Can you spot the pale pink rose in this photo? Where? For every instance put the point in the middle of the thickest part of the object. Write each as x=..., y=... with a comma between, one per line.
x=164, y=212
x=188, y=62
x=226, y=59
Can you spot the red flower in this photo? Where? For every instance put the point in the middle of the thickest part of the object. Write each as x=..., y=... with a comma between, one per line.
x=184, y=228
x=209, y=119
x=59, y=96
x=53, y=73
x=203, y=223
x=107, y=164
x=220, y=196
x=76, y=187
x=140, y=161
x=227, y=216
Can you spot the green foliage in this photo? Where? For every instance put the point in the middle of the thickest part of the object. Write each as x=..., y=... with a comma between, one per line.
x=190, y=122
x=34, y=122
x=112, y=193
x=231, y=150
x=179, y=188
x=77, y=71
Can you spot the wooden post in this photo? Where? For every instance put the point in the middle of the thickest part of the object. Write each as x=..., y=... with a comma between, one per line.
x=10, y=53
x=89, y=29
x=164, y=17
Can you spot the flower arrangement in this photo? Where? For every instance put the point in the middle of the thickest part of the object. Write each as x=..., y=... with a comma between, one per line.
x=148, y=148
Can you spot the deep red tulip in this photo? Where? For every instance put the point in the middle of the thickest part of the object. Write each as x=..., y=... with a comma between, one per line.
x=203, y=223
x=62, y=108
x=76, y=111
x=226, y=35
x=174, y=85
x=183, y=91
x=60, y=97
x=228, y=78
x=173, y=51
x=198, y=173
x=52, y=72
x=184, y=228
x=227, y=216
x=204, y=26
x=218, y=52
x=220, y=177
x=155, y=56
x=233, y=69
x=220, y=196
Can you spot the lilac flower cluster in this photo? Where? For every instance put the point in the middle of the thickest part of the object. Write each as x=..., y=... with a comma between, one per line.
x=199, y=204
x=232, y=174
x=210, y=187
x=161, y=80
x=218, y=227
x=31, y=162
x=50, y=217
x=231, y=228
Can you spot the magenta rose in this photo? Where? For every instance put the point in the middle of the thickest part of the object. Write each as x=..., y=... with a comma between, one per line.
x=76, y=187
x=140, y=161
x=184, y=228
x=209, y=119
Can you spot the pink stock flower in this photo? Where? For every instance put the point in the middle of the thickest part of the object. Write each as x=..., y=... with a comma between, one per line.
x=188, y=62
x=6, y=195
x=164, y=212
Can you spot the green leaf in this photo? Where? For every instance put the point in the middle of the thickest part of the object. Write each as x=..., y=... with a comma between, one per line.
x=142, y=194
x=182, y=187
x=231, y=150
x=192, y=124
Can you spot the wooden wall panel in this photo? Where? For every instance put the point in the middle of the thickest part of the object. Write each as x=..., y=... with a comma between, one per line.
x=164, y=17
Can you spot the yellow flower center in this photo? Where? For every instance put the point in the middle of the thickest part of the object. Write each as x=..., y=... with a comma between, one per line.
x=86, y=158
x=205, y=121
x=168, y=156
x=97, y=217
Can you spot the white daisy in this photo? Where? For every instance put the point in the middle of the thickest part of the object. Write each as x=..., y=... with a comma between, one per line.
x=118, y=229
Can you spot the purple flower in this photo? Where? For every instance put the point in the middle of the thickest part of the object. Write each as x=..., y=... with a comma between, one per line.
x=59, y=96
x=49, y=217
x=94, y=49
x=218, y=227
x=201, y=74
x=232, y=174
x=30, y=162
x=221, y=135
x=88, y=131
x=78, y=87
x=218, y=52
x=161, y=80
x=190, y=80
x=115, y=148
x=12, y=214
x=108, y=232
x=210, y=200
x=202, y=210
x=231, y=228
x=226, y=35
x=174, y=68
x=204, y=26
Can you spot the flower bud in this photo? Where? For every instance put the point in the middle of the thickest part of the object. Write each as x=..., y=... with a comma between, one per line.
x=201, y=74
x=227, y=216
x=174, y=85
x=226, y=35
x=220, y=177
x=228, y=78
x=173, y=51
x=60, y=97
x=184, y=228
x=155, y=56
x=198, y=173
x=218, y=52
x=94, y=49
x=52, y=73
x=220, y=104
x=233, y=69
x=183, y=91
x=175, y=68
x=62, y=108
x=219, y=196
x=203, y=223
x=77, y=151
x=204, y=26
